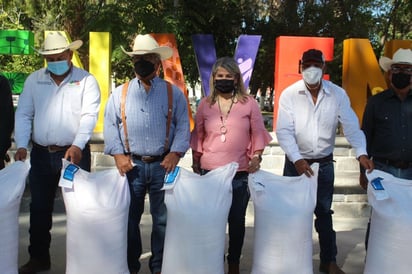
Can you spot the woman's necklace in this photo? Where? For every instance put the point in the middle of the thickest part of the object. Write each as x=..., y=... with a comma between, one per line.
x=223, y=129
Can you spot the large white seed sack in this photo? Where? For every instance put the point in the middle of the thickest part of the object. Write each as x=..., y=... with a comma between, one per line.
x=197, y=212
x=283, y=211
x=12, y=183
x=390, y=237
x=97, y=210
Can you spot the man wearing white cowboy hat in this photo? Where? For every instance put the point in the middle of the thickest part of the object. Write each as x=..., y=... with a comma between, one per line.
x=150, y=144
x=57, y=112
x=387, y=121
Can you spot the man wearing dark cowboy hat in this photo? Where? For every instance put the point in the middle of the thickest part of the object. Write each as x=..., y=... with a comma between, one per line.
x=309, y=112
x=57, y=112
x=6, y=119
x=146, y=142
x=387, y=121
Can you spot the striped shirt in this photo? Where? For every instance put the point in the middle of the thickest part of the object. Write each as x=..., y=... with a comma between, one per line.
x=146, y=118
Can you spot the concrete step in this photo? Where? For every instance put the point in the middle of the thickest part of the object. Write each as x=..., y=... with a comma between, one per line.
x=351, y=205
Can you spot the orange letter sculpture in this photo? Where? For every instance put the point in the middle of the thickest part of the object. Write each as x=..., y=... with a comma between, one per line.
x=289, y=50
x=172, y=67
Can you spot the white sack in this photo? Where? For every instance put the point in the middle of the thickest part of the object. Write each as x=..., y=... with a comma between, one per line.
x=12, y=183
x=390, y=237
x=197, y=212
x=283, y=208
x=97, y=212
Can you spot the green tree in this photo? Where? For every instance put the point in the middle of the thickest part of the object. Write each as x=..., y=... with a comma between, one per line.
x=377, y=20
x=14, y=17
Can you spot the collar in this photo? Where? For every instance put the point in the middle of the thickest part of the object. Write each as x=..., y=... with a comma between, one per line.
x=153, y=81
x=391, y=93
x=324, y=88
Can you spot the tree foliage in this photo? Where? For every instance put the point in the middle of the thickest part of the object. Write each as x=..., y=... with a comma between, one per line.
x=377, y=20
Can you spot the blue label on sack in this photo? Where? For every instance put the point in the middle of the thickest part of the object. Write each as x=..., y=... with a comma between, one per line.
x=69, y=172
x=171, y=176
x=377, y=184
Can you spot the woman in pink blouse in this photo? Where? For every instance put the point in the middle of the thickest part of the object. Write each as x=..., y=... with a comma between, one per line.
x=229, y=128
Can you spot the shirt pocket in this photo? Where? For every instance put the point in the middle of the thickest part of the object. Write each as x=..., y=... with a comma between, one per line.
x=386, y=122
x=73, y=100
x=328, y=118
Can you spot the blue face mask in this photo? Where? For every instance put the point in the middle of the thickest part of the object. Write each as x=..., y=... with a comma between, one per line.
x=58, y=67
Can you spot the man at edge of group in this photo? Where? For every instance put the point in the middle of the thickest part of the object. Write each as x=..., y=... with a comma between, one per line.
x=143, y=152
x=6, y=119
x=387, y=121
x=308, y=116
x=57, y=112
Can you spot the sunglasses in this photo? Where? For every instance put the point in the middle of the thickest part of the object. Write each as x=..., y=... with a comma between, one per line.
x=396, y=69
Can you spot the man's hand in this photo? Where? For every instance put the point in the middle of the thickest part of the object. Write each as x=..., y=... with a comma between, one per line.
x=302, y=167
x=21, y=154
x=363, y=181
x=74, y=154
x=366, y=163
x=170, y=161
x=123, y=163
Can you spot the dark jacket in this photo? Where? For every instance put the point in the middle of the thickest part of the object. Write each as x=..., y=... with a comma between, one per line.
x=6, y=117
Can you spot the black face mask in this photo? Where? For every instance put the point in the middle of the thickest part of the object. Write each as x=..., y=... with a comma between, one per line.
x=401, y=80
x=225, y=86
x=144, y=68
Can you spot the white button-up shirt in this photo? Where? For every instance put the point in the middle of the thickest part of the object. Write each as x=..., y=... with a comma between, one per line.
x=308, y=130
x=60, y=115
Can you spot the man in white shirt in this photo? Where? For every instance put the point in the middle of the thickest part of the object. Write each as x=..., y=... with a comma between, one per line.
x=57, y=112
x=308, y=116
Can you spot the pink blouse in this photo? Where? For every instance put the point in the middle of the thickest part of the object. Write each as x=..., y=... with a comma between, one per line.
x=245, y=134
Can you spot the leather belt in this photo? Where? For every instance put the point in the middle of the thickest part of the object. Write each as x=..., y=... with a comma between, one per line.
x=149, y=159
x=326, y=159
x=397, y=164
x=51, y=148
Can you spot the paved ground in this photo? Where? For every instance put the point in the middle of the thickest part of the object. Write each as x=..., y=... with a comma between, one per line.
x=350, y=237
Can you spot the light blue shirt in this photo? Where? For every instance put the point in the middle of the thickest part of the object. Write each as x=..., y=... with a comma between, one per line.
x=146, y=119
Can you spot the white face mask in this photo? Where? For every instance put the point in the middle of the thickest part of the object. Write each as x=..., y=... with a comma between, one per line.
x=312, y=75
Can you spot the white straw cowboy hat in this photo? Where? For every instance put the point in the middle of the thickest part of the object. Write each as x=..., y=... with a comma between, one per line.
x=144, y=44
x=56, y=43
x=401, y=56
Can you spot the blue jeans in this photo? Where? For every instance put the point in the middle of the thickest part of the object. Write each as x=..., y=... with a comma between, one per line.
x=146, y=177
x=323, y=212
x=237, y=213
x=397, y=172
x=44, y=176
